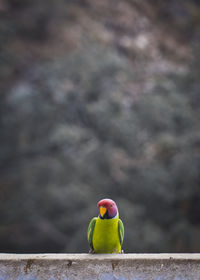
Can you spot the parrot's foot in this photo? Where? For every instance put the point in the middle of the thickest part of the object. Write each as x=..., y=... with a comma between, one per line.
x=122, y=251
x=91, y=251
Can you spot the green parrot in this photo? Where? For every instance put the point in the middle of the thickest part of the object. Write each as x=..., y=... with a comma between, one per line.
x=106, y=232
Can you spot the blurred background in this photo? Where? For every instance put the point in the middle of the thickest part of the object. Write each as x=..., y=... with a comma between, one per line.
x=99, y=98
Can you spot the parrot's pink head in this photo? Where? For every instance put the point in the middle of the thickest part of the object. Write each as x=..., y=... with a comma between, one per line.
x=107, y=208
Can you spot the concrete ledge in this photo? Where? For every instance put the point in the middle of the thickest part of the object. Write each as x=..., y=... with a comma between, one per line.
x=102, y=267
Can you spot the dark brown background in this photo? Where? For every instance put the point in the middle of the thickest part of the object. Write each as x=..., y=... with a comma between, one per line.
x=99, y=99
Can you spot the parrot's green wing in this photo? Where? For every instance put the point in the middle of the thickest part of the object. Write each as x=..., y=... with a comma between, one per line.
x=121, y=231
x=90, y=231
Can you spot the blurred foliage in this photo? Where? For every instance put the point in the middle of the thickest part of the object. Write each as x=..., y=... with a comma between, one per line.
x=96, y=102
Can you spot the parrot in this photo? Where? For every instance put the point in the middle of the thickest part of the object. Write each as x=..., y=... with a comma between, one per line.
x=106, y=232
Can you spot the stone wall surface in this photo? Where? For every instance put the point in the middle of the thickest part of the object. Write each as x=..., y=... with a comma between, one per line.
x=102, y=267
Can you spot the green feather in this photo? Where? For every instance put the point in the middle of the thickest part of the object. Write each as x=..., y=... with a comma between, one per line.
x=106, y=237
x=121, y=231
x=90, y=231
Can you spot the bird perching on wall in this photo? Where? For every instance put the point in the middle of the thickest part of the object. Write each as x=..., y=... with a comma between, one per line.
x=106, y=232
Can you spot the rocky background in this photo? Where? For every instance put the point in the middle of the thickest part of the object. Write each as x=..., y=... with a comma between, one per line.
x=99, y=99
